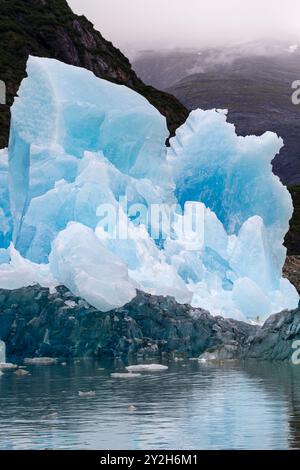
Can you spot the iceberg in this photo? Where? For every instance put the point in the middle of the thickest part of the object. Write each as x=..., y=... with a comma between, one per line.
x=92, y=198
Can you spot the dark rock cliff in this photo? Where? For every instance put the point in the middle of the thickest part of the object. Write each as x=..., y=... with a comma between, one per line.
x=49, y=28
x=274, y=341
x=35, y=323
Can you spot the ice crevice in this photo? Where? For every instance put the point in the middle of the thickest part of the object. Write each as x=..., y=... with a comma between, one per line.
x=78, y=143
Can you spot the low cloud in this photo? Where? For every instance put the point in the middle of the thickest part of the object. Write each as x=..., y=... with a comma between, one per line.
x=158, y=24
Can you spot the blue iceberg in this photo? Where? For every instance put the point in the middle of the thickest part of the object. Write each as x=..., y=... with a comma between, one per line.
x=92, y=198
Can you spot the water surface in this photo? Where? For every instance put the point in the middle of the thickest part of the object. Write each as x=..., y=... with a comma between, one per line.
x=189, y=406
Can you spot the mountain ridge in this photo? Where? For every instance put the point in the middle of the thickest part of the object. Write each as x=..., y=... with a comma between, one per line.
x=255, y=88
x=49, y=28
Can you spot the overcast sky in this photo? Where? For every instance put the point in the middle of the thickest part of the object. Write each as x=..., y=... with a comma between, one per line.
x=151, y=24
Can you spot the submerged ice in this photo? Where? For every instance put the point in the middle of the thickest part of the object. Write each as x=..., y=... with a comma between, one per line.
x=79, y=143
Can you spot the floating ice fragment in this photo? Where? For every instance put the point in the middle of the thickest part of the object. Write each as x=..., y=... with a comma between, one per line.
x=120, y=375
x=21, y=373
x=40, y=361
x=132, y=408
x=70, y=304
x=87, y=394
x=146, y=368
x=2, y=352
x=7, y=366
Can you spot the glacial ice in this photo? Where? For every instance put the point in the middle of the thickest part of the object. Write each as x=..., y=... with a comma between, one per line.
x=81, y=263
x=2, y=352
x=146, y=368
x=20, y=272
x=124, y=375
x=5, y=217
x=81, y=147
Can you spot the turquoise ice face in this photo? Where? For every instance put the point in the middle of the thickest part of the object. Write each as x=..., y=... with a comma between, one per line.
x=78, y=142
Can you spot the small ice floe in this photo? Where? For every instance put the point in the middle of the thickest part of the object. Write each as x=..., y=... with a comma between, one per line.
x=2, y=352
x=21, y=372
x=40, y=361
x=63, y=364
x=91, y=393
x=227, y=352
x=7, y=366
x=71, y=303
x=146, y=368
x=53, y=415
x=50, y=415
x=132, y=408
x=178, y=359
x=124, y=375
x=208, y=357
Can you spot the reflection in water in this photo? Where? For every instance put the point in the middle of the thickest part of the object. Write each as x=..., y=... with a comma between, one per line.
x=190, y=406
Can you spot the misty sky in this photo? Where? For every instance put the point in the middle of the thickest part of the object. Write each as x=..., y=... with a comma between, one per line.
x=150, y=24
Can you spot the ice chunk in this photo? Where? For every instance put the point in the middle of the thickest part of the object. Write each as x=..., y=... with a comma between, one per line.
x=20, y=272
x=254, y=242
x=7, y=366
x=146, y=368
x=120, y=375
x=89, y=394
x=97, y=182
x=5, y=216
x=22, y=373
x=4, y=256
x=40, y=361
x=2, y=352
x=64, y=107
x=148, y=265
x=230, y=174
x=81, y=263
x=250, y=299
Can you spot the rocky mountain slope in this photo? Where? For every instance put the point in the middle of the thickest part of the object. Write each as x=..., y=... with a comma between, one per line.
x=257, y=92
x=275, y=340
x=291, y=270
x=49, y=28
x=166, y=67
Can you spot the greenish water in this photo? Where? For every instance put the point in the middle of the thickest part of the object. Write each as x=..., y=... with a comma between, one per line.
x=189, y=406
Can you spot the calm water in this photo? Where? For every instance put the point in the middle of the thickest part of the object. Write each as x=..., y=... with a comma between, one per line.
x=190, y=406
